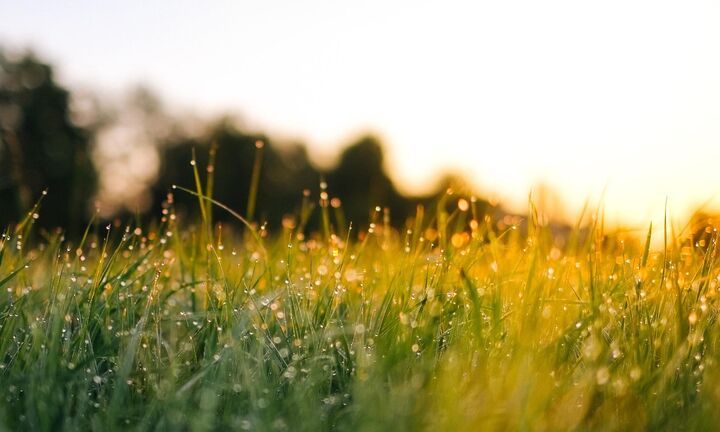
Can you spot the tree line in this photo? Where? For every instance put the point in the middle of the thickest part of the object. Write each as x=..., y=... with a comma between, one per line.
x=43, y=148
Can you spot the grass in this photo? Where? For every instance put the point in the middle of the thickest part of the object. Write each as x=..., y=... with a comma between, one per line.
x=452, y=324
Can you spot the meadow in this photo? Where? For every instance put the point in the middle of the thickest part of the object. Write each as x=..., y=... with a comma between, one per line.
x=455, y=322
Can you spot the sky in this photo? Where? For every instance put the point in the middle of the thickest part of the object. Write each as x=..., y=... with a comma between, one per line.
x=615, y=101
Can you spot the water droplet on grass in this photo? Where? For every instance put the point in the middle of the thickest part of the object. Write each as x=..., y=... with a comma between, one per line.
x=602, y=375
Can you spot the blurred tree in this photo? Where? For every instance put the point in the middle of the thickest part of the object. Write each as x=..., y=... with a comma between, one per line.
x=40, y=147
x=285, y=172
x=361, y=182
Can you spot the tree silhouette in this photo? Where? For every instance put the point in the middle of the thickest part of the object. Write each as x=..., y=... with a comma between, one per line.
x=40, y=147
x=359, y=179
x=362, y=184
x=285, y=172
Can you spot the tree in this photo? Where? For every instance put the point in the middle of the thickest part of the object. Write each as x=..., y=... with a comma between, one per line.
x=361, y=182
x=40, y=147
x=285, y=173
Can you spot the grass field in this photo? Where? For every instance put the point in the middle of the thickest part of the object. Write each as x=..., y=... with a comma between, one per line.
x=454, y=324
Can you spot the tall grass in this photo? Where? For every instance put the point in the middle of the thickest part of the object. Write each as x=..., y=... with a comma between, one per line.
x=451, y=324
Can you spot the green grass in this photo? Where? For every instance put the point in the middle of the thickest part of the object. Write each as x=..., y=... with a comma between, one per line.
x=452, y=324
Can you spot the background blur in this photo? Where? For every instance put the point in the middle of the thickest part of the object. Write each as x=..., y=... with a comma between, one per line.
x=390, y=102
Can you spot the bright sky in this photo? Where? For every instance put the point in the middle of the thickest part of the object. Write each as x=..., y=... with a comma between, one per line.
x=621, y=96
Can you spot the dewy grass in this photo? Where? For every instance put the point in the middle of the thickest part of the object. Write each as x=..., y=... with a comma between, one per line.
x=451, y=324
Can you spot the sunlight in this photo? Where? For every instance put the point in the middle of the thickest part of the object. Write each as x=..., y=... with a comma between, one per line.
x=619, y=97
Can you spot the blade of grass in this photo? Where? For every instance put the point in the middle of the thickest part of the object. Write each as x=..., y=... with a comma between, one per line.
x=232, y=212
x=255, y=179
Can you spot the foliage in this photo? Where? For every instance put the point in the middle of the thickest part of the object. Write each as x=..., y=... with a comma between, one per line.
x=40, y=146
x=359, y=180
